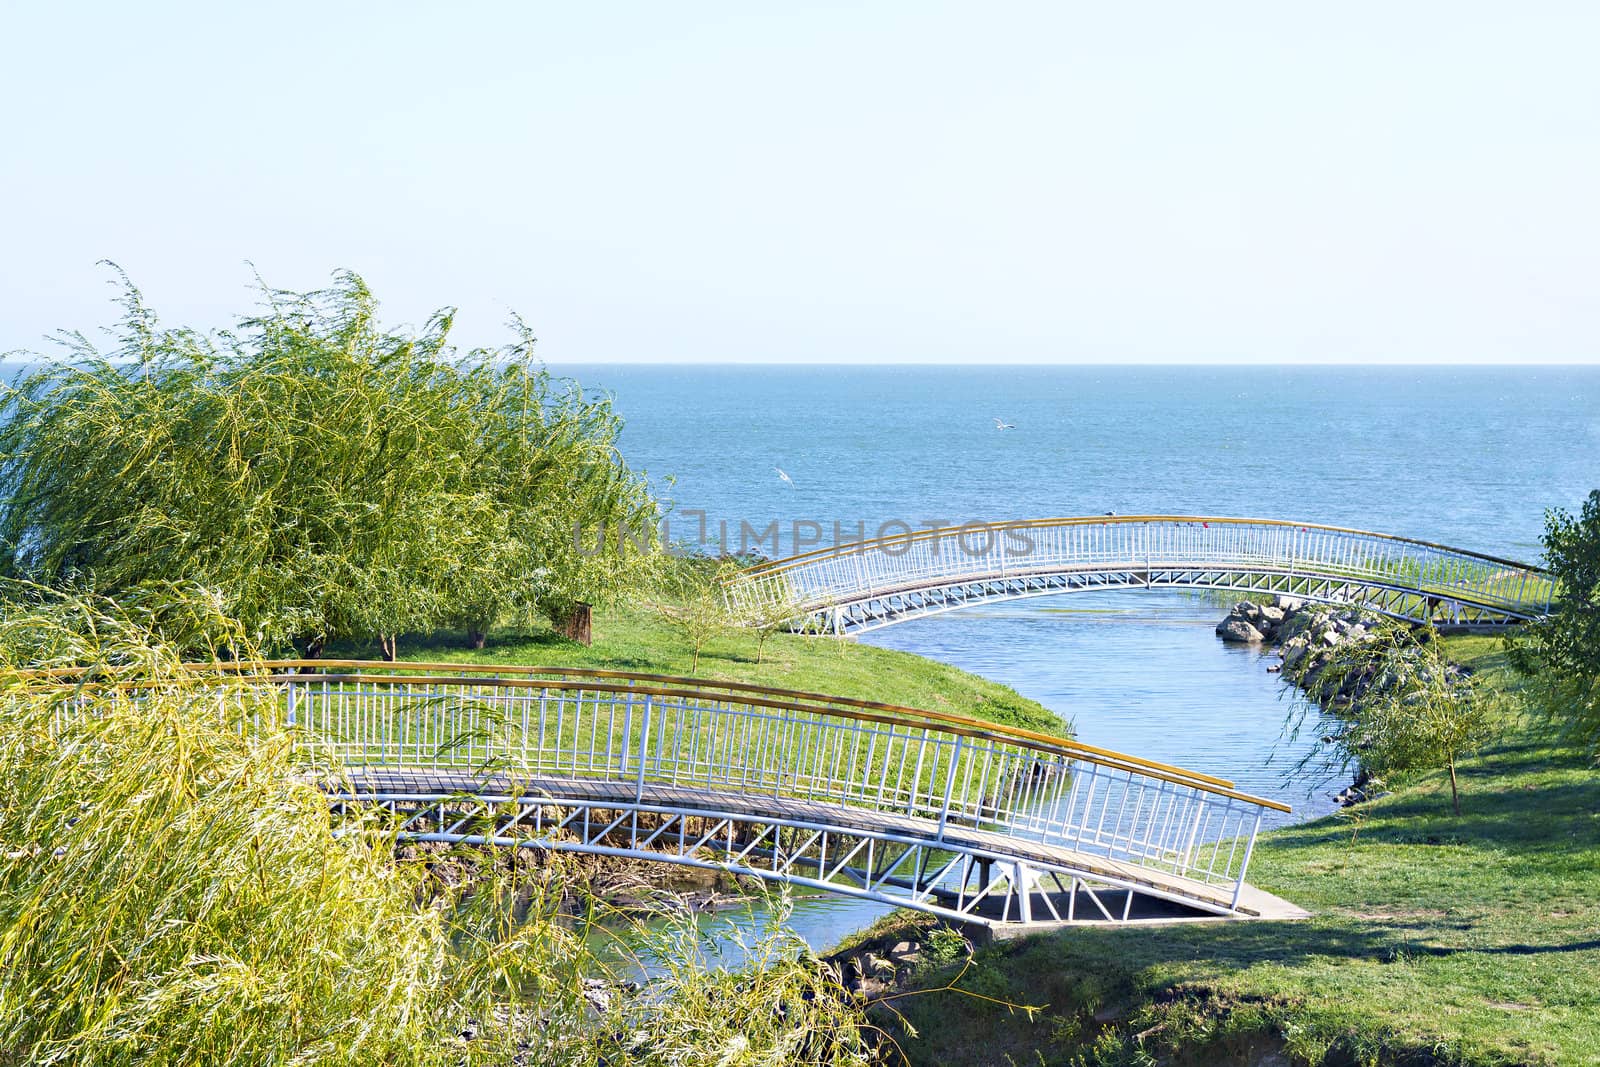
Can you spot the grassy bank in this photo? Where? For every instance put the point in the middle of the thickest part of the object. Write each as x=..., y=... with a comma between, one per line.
x=1435, y=939
x=632, y=639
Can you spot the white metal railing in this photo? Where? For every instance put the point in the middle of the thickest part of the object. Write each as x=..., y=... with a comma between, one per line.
x=855, y=571
x=642, y=731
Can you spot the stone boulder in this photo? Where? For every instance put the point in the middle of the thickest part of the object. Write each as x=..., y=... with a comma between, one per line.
x=1238, y=631
x=1295, y=624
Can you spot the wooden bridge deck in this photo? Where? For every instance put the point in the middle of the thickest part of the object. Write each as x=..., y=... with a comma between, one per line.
x=1253, y=903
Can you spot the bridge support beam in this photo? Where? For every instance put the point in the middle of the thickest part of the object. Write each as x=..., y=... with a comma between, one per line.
x=875, y=611
x=893, y=869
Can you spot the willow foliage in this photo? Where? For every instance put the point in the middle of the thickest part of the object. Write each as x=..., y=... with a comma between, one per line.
x=173, y=891
x=330, y=478
x=1395, y=703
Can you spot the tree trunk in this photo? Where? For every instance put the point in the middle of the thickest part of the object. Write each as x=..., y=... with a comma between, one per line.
x=576, y=623
x=477, y=638
x=313, y=650
x=1455, y=795
x=387, y=643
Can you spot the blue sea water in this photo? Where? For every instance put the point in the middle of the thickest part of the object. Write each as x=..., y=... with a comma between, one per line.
x=1470, y=457
x=1463, y=455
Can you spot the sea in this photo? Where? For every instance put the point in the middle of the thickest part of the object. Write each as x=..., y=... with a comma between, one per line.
x=770, y=458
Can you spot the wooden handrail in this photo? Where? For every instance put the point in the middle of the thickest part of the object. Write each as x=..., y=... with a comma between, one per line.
x=951, y=724
x=291, y=672
x=701, y=684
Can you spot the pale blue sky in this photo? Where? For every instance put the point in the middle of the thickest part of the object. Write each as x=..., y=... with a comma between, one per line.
x=1010, y=182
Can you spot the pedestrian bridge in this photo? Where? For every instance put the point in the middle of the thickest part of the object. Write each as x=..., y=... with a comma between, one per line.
x=966, y=819
x=864, y=585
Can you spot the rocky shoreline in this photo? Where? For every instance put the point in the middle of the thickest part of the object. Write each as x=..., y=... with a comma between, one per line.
x=1305, y=634
x=885, y=962
x=1308, y=637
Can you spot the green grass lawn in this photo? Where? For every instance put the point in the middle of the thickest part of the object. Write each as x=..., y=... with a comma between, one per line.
x=632, y=639
x=1435, y=939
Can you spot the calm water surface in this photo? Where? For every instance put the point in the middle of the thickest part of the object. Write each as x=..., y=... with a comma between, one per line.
x=1465, y=456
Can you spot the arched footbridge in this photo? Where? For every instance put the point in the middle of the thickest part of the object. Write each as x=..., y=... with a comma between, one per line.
x=864, y=585
x=969, y=820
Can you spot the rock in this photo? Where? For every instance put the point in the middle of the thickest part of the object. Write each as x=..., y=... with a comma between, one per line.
x=903, y=948
x=1272, y=614
x=1296, y=624
x=1294, y=653
x=1286, y=604
x=869, y=988
x=1238, y=631
x=597, y=994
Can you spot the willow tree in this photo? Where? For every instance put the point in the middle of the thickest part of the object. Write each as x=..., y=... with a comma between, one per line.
x=328, y=477
x=1395, y=702
x=538, y=438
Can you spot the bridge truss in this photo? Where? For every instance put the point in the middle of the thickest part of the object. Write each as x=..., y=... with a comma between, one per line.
x=865, y=585
x=961, y=818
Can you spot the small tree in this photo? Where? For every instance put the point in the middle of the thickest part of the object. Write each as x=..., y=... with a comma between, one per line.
x=1397, y=703
x=1561, y=652
x=765, y=618
x=689, y=598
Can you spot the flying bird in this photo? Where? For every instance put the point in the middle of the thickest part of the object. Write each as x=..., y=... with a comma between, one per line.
x=784, y=475
x=1001, y=424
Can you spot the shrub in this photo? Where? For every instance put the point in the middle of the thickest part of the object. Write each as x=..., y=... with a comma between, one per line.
x=1561, y=652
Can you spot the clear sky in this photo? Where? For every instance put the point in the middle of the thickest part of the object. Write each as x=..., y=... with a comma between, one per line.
x=916, y=181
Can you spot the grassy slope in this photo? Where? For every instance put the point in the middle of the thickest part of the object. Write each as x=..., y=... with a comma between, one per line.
x=631, y=639
x=1435, y=939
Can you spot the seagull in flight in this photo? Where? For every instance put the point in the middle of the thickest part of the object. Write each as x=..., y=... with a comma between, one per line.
x=785, y=476
x=1001, y=424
